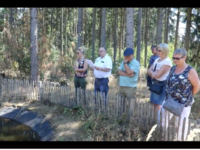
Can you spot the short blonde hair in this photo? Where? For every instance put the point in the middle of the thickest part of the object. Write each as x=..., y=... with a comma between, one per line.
x=164, y=47
x=81, y=49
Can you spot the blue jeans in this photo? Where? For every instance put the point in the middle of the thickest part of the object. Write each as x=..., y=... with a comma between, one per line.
x=101, y=85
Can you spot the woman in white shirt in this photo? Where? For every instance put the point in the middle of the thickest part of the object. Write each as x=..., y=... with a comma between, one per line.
x=159, y=71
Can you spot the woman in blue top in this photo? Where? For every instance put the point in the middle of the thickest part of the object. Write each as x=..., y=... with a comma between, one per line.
x=182, y=82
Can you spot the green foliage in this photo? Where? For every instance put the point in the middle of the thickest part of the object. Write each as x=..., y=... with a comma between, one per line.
x=75, y=112
x=66, y=66
x=116, y=66
x=54, y=54
x=24, y=65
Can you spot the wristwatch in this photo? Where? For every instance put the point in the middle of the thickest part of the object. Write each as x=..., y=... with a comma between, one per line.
x=125, y=63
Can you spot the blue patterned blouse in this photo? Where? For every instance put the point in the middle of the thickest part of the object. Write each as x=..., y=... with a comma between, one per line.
x=179, y=87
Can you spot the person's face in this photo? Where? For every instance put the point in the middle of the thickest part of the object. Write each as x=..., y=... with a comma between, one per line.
x=159, y=52
x=78, y=53
x=102, y=52
x=128, y=58
x=153, y=50
x=178, y=59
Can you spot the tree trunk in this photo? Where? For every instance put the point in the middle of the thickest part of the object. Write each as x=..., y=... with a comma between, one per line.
x=80, y=17
x=167, y=25
x=61, y=33
x=129, y=27
x=34, y=45
x=188, y=25
x=100, y=24
x=93, y=33
x=177, y=27
x=160, y=25
x=145, y=37
x=11, y=19
x=115, y=37
x=139, y=34
x=103, y=28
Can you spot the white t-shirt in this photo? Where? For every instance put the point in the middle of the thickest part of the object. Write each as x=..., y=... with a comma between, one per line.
x=165, y=61
x=105, y=62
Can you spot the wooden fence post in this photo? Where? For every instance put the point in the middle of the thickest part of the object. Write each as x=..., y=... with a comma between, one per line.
x=40, y=90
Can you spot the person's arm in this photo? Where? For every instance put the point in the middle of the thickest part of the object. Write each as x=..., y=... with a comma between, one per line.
x=161, y=71
x=194, y=79
x=133, y=68
x=150, y=71
x=102, y=69
x=84, y=67
x=108, y=65
x=127, y=69
x=122, y=73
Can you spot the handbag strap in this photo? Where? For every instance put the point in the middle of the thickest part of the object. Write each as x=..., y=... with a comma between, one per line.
x=154, y=71
x=155, y=67
x=172, y=71
x=167, y=81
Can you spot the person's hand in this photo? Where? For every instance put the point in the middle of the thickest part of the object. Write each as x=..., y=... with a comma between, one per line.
x=91, y=69
x=77, y=73
x=132, y=75
x=95, y=67
x=154, y=75
x=125, y=60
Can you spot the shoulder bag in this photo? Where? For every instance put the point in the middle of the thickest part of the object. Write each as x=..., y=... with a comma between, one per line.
x=173, y=106
x=156, y=85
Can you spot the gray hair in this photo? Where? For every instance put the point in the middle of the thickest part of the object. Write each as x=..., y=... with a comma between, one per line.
x=103, y=48
x=164, y=47
x=181, y=51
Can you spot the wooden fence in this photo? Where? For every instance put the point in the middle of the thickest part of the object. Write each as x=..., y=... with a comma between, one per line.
x=141, y=112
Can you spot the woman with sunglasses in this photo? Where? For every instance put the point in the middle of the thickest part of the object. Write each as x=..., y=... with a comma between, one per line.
x=80, y=68
x=159, y=72
x=182, y=84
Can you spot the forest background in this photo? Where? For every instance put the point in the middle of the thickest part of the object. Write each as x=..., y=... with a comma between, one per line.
x=40, y=44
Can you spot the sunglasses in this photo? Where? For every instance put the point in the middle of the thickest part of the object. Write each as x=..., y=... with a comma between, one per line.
x=158, y=50
x=176, y=58
x=77, y=53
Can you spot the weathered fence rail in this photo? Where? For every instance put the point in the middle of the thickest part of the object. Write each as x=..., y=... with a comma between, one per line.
x=116, y=105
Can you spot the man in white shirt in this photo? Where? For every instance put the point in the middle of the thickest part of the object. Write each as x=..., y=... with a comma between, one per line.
x=102, y=71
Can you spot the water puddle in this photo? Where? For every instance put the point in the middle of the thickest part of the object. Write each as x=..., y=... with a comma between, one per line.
x=11, y=130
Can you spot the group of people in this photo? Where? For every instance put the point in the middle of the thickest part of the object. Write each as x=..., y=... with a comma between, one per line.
x=102, y=71
x=182, y=79
x=128, y=73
